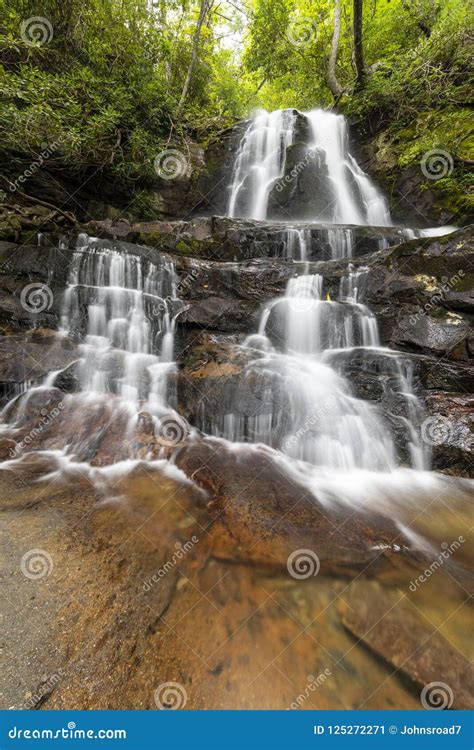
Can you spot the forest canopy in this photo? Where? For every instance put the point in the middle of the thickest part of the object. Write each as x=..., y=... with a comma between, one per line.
x=112, y=80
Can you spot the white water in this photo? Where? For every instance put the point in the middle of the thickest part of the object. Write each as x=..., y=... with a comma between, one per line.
x=128, y=347
x=260, y=163
x=357, y=200
x=322, y=422
x=123, y=309
x=304, y=337
x=342, y=446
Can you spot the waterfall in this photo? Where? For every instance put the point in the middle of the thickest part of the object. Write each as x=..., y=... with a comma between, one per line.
x=260, y=162
x=323, y=423
x=121, y=309
x=357, y=200
x=127, y=311
x=348, y=194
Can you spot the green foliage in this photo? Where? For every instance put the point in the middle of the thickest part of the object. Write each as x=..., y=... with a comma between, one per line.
x=105, y=85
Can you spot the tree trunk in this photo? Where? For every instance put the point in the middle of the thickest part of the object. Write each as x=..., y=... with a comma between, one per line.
x=331, y=77
x=358, y=45
x=204, y=10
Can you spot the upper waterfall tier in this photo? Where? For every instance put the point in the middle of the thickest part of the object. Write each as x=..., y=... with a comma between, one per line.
x=297, y=166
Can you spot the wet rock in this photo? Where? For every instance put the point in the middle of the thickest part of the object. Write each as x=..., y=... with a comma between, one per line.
x=258, y=514
x=449, y=430
x=222, y=394
x=439, y=336
x=391, y=626
x=221, y=238
x=305, y=189
x=220, y=314
x=32, y=279
x=28, y=358
x=67, y=380
x=8, y=449
x=208, y=193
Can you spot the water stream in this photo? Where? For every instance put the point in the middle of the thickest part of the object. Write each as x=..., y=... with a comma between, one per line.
x=122, y=309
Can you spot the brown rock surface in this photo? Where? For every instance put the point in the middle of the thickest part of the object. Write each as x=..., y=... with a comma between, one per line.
x=394, y=628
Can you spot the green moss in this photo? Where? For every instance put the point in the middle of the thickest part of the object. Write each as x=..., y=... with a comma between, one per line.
x=449, y=130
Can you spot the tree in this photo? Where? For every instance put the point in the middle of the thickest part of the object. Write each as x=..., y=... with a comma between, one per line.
x=331, y=77
x=203, y=12
x=358, y=45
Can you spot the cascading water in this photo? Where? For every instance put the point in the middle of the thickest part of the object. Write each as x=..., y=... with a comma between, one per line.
x=356, y=199
x=321, y=421
x=351, y=197
x=128, y=348
x=122, y=309
x=303, y=338
x=260, y=161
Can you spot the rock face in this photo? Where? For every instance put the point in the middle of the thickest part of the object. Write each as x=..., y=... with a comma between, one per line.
x=224, y=239
x=305, y=188
x=398, y=634
x=128, y=606
x=420, y=291
x=143, y=600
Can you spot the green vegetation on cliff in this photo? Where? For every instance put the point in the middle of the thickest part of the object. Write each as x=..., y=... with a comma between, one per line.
x=105, y=86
